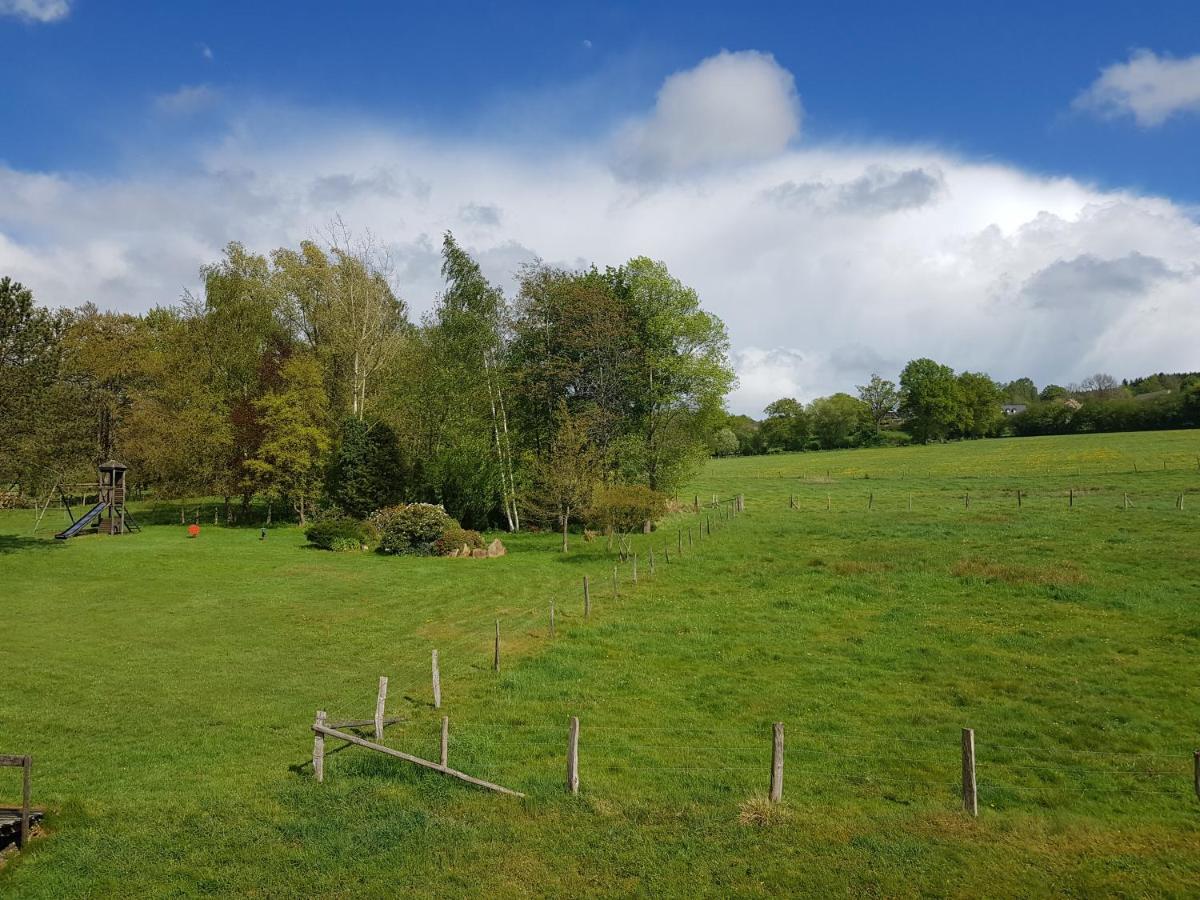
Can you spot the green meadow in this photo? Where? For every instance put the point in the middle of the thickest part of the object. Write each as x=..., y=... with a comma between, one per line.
x=874, y=601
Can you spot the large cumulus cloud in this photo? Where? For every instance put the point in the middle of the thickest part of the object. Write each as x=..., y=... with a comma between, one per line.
x=827, y=262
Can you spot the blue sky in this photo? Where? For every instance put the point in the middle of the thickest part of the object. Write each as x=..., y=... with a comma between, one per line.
x=847, y=184
x=988, y=80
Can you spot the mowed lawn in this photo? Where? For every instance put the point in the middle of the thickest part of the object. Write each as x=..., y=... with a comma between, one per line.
x=166, y=686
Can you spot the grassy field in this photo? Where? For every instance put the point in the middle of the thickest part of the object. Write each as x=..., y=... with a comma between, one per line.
x=166, y=687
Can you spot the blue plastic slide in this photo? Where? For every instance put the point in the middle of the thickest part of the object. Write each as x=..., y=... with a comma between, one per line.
x=83, y=521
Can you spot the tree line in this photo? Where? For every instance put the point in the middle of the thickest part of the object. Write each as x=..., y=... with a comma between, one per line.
x=931, y=402
x=298, y=378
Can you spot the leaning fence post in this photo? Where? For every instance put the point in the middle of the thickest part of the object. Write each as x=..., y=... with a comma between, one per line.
x=970, y=798
x=496, y=653
x=1126, y=499
x=777, y=763
x=26, y=797
x=551, y=620
x=870, y=501
x=573, y=756
x=445, y=754
x=587, y=598
x=319, y=747
x=380, y=702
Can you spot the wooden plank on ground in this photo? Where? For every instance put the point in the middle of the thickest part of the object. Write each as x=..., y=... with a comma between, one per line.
x=416, y=760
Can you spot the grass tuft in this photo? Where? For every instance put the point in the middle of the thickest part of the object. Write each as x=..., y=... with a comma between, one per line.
x=760, y=812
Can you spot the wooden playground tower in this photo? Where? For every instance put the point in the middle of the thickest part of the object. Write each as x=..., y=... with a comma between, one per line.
x=112, y=493
x=108, y=516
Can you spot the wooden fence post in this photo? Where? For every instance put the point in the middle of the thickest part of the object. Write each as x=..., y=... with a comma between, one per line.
x=910, y=502
x=587, y=598
x=445, y=754
x=1196, y=770
x=1071, y=497
x=26, y=797
x=690, y=535
x=708, y=522
x=967, y=500
x=777, y=762
x=573, y=756
x=380, y=702
x=827, y=503
x=970, y=798
x=791, y=501
x=870, y=501
x=496, y=653
x=696, y=503
x=635, y=568
x=1125, y=499
x=552, y=620
x=615, y=592
x=679, y=541
x=650, y=557
x=319, y=748
x=437, y=683
x=1018, y=498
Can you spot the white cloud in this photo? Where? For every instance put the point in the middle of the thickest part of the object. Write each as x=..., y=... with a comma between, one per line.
x=1149, y=87
x=36, y=10
x=893, y=252
x=205, y=51
x=731, y=108
x=189, y=99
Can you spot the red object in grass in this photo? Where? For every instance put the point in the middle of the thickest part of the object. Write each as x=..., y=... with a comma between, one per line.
x=193, y=531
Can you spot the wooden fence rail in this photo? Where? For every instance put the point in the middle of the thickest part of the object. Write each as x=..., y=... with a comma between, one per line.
x=322, y=731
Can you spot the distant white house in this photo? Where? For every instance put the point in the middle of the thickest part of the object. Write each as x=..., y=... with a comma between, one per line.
x=1011, y=409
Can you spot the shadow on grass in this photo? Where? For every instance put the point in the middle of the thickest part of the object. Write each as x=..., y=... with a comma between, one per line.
x=15, y=543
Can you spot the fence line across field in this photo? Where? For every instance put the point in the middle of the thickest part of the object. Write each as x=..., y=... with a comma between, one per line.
x=968, y=784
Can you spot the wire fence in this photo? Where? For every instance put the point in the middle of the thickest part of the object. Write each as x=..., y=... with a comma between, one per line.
x=708, y=757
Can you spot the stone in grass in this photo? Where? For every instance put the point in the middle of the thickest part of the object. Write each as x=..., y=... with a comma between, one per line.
x=496, y=548
x=465, y=552
x=479, y=554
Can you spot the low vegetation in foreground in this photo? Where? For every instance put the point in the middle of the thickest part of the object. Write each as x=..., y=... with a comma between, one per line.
x=874, y=601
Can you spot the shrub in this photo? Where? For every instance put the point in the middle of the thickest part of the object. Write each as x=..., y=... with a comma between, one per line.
x=893, y=438
x=624, y=507
x=455, y=537
x=411, y=529
x=339, y=533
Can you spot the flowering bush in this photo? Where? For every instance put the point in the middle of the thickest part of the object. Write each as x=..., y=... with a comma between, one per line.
x=411, y=529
